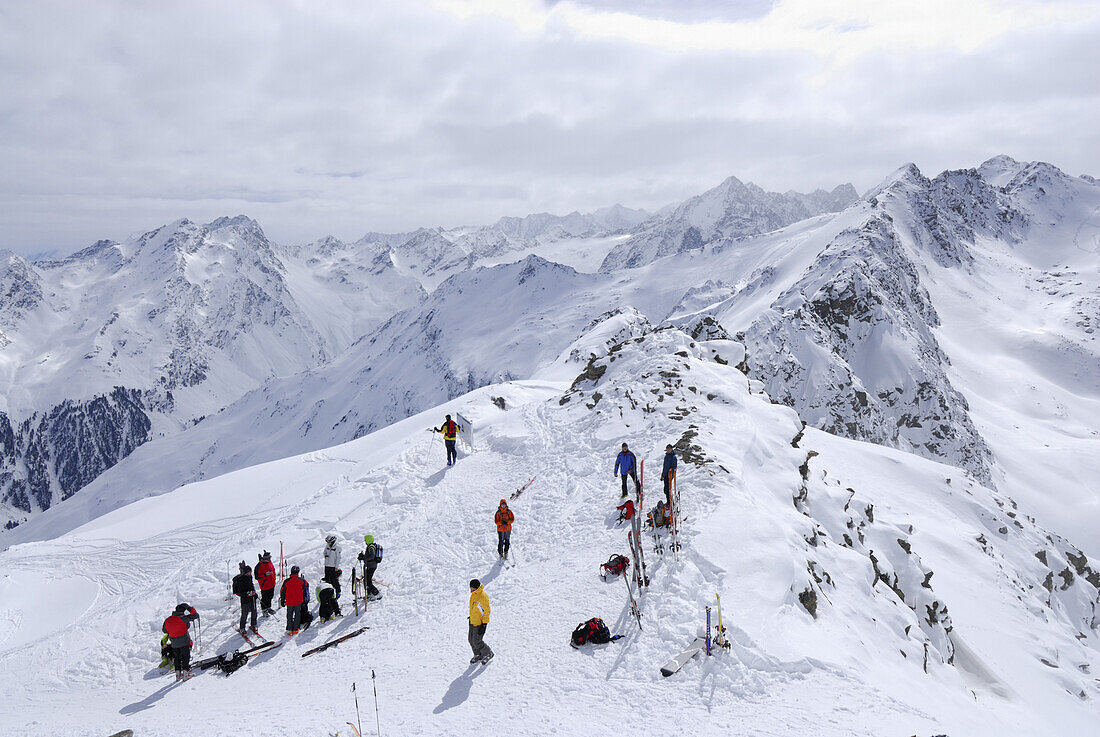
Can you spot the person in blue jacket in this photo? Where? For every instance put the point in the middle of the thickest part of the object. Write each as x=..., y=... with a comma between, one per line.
x=627, y=465
x=668, y=471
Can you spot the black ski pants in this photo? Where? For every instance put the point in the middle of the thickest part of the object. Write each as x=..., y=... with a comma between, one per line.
x=368, y=578
x=293, y=615
x=477, y=641
x=452, y=453
x=181, y=657
x=265, y=598
x=667, y=479
x=637, y=486
x=329, y=607
x=248, y=607
x=504, y=541
x=332, y=577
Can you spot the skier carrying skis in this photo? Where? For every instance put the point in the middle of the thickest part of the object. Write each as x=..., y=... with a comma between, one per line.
x=668, y=471
x=450, y=430
x=479, y=621
x=332, y=563
x=176, y=627
x=504, y=519
x=326, y=595
x=292, y=595
x=242, y=587
x=371, y=557
x=265, y=576
x=627, y=465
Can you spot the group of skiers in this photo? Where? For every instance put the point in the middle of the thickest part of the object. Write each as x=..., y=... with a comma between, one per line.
x=294, y=593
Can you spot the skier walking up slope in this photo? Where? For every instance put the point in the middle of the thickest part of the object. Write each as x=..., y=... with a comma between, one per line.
x=242, y=587
x=265, y=576
x=504, y=519
x=371, y=557
x=450, y=429
x=627, y=465
x=479, y=621
x=176, y=626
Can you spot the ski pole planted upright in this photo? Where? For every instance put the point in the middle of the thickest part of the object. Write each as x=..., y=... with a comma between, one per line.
x=377, y=724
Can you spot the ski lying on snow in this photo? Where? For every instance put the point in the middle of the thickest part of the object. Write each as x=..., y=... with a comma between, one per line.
x=337, y=641
x=520, y=490
x=678, y=662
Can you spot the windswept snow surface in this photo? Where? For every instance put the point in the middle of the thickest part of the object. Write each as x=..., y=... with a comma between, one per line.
x=931, y=613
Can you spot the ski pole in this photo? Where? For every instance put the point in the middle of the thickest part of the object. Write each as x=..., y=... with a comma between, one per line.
x=356, y=695
x=377, y=725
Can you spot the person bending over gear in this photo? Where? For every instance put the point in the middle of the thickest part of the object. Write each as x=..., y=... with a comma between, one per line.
x=450, y=430
x=265, y=576
x=504, y=519
x=242, y=587
x=479, y=621
x=371, y=557
x=329, y=607
x=627, y=465
x=176, y=626
x=332, y=563
x=292, y=595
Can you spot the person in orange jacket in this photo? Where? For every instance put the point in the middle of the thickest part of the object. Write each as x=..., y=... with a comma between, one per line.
x=504, y=519
x=479, y=621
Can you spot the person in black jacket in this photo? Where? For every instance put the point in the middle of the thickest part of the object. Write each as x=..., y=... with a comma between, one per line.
x=243, y=587
x=668, y=472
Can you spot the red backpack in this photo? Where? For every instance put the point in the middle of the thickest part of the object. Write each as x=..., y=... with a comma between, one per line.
x=626, y=510
x=594, y=631
x=615, y=565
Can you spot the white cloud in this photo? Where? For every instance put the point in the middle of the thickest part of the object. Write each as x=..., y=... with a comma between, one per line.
x=346, y=117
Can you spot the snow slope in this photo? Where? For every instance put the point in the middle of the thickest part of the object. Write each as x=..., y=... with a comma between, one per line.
x=946, y=610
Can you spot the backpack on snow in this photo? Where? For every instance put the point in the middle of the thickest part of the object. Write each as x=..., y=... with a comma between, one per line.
x=228, y=663
x=593, y=631
x=626, y=511
x=615, y=565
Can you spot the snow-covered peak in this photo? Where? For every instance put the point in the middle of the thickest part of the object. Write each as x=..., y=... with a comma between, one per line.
x=1000, y=170
x=906, y=176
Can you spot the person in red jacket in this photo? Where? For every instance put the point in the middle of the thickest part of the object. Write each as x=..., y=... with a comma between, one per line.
x=176, y=626
x=265, y=576
x=292, y=595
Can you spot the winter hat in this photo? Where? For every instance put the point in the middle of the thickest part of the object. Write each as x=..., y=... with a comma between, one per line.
x=294, y=569
x=668, y=447
x=475, y=584
x=331, y=539
x=181, y=608
x=243, y=566
x=246, y=569
x=368, y=539
x=503, y=503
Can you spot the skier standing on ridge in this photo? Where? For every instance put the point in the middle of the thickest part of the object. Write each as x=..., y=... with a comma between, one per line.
x=291, y=595
x=450, y=430
x=242, y=587
x=176, y=627
x=332, y=563
x=371, y=557
x=504, y=519
x=667, y=472
x=479, y=621
x=627, y=465
x=265, y=576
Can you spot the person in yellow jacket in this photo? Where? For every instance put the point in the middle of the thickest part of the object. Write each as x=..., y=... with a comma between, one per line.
x=479, y=620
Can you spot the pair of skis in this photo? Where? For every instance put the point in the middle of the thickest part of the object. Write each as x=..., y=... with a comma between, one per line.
x=515, y=494
x=699, y=643
x=334, y=642
x=251, y=651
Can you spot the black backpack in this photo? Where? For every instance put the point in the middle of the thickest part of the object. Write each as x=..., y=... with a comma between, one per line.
x=594, y=631
x=228, y=663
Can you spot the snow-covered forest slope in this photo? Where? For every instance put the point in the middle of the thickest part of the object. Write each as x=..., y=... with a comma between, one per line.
x=866, y=590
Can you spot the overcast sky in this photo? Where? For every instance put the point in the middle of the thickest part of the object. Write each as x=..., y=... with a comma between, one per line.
x=319, y=117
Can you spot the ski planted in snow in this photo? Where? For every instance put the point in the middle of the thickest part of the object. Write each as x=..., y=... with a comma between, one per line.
x=356, y=586
x=337, y=641
x=674, y=665
x=520, y=490
x=720, y=633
